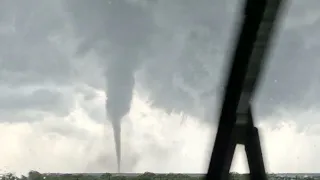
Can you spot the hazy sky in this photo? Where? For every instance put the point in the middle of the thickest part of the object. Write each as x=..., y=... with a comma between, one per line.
x=166, y=59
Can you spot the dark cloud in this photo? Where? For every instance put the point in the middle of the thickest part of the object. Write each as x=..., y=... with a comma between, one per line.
x=37, y=100
x=176, y=52
x=56, y=55
x=26, y=54
x=291, y=77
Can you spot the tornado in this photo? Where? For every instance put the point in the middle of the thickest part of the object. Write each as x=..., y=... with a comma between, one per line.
x=120, y=84
x=128, y=29
x=116, y=125
x=125, y=27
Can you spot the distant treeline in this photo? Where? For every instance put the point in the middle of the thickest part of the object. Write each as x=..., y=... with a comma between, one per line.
x=34, y=175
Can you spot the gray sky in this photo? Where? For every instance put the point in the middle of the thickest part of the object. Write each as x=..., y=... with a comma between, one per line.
x=164, y=59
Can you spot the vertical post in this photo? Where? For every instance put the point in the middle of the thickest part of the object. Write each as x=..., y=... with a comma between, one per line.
x=254, y=155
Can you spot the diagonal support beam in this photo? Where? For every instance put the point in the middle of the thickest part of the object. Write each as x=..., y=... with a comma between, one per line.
x=258, y=23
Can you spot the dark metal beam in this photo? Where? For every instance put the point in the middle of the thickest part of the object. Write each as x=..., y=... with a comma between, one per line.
x=257, y=24
x=259, y=53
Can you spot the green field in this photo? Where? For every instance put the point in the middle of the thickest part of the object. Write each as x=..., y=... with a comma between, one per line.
x=33, y=175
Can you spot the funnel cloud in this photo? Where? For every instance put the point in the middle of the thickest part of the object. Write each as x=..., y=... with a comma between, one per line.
x=79, y=76
x=123, y=53
x=120, y=84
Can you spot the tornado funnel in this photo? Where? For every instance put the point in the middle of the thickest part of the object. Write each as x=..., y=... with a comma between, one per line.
x=117, y=140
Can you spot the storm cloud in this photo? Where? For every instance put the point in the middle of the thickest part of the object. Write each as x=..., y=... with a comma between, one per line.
x=160, y=63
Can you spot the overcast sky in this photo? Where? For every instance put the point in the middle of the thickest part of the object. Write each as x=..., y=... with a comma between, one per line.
x=161, y=64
